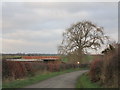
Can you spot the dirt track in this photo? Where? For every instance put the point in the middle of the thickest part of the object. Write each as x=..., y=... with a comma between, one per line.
x=66, y=80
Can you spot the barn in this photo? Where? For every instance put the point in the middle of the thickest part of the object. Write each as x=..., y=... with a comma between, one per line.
x=37, y=58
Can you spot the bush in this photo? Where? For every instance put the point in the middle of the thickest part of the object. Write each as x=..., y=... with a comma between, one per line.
x=17, y=69
x=95, y=70
x=107, y=70
x=110, y=69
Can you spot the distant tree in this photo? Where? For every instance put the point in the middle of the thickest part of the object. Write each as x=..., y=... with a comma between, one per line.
x=80, y=37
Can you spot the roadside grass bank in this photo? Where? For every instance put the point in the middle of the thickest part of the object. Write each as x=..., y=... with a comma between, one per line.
x=84, y=81
x=37, y=78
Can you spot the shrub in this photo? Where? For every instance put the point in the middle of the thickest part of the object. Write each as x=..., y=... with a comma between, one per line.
x=5, y=69
x=95, y=70
x=110, y=69
x=107, y=70
x=18, y=69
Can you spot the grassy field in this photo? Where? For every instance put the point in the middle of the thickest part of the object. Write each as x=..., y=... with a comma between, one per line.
x=84, y=82
x=10, y=57
x=35, y=79
x=86, y=59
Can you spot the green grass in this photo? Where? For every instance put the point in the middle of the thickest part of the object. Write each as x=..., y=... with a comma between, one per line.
x=84, y=82
x=64, y=59
x=35, y=79
x=9, y=56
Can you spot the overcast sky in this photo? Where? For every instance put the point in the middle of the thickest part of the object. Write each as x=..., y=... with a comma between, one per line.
x=37, y=27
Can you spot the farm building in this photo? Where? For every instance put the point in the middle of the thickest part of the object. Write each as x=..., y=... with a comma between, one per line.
x=37, y=58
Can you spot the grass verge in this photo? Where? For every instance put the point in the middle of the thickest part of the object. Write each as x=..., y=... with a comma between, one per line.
x=35, y=79
x=84, y=82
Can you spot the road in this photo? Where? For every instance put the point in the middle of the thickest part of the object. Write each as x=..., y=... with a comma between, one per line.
x=67, y=80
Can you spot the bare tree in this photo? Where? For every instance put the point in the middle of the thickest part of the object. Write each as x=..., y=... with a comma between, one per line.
x=80, y=37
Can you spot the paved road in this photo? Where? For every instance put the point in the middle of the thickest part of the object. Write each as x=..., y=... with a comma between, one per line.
x=67, y=80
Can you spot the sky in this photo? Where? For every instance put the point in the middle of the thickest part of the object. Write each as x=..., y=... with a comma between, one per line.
x=37, y=27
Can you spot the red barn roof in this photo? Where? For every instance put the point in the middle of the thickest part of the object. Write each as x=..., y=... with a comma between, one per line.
x=41, y=57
